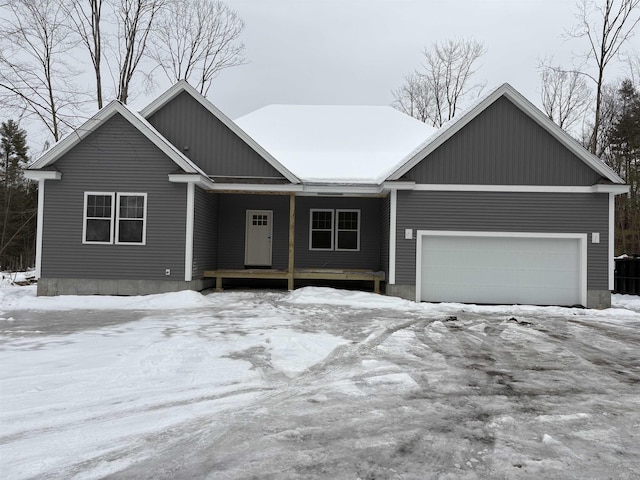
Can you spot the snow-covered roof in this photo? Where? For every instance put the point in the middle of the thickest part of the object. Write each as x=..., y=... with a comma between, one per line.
x=336, y=143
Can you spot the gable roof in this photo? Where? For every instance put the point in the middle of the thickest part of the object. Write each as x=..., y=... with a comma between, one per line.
x=184, y=86
x=352, y=144
x=454, y=125
x=104, y=114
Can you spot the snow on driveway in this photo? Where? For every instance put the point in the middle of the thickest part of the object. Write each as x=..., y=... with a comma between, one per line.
x=318, y=383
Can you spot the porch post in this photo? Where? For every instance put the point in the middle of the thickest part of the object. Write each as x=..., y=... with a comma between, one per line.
x=292, y=225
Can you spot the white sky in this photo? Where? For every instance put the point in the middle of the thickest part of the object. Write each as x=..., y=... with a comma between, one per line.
x=357, y=51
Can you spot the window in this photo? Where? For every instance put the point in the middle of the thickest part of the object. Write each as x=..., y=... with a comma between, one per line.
x=321, y=230
x=98, y=217
x=131, y=218
x=334, y=230
x=348, y=230
x=114, y=218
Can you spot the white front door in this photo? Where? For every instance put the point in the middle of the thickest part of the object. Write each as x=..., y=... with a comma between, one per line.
x=257, y=242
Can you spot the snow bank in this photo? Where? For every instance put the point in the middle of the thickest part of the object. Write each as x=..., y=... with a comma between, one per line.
x=354, y=299
x=24, y=298
x=630, y=302
x=625, y=307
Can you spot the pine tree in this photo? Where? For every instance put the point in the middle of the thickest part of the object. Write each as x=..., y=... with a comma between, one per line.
x=623, y=140
x=17, y=200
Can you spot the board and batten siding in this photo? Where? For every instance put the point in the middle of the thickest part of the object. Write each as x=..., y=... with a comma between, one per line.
x=502, y=146
x=504, y=212
x=368, y=257
x=114, y=158
x=205, y=232
x=208, y=142
x=232, y=210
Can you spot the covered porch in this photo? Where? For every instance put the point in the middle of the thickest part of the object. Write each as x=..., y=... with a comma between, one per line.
x=288, y=251
x=297, y=274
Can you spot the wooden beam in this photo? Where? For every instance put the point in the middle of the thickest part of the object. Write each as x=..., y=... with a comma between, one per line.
x=292, y=240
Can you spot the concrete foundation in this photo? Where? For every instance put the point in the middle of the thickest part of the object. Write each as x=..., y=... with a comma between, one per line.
x=92, y=286
x=595, y=298
x=408, y=292
x=598, y=299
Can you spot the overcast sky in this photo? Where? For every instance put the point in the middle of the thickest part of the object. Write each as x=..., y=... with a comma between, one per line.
x=357, y=51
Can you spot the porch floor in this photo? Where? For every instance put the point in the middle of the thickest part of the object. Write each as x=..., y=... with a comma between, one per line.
x=297, y=274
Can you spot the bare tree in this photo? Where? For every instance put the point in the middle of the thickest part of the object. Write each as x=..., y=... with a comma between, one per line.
x=444, y=80
x=195, y=40
x=565, y=96
x=35, y=76
x=86, y=16
x=414, y=97
x=135, y=21
x=607, y=27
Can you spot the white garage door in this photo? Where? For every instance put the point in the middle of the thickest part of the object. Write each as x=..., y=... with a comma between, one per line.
x=508, y=268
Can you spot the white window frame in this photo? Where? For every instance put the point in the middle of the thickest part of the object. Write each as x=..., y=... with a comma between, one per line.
x=337, y=230
x=144, y=218
x=334, y=229
x=85, y=218
x=311, y=229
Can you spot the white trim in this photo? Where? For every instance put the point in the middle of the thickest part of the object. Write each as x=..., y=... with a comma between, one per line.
x=42, y=175
x=188, y=246
x=84, y=217
x=39, y=227
x=255, y=187
x=398, y=185
x=610, y=188
x=303, y=190
x=183, y=86
x=581, y=237
x=144, y=127
x=144, y=218
x=528, y=108
x=201, y=181
x=342, y=189
x=337, y=230
x=612, y=233
x=444, y=187
x=333, y=220
x=393, y=220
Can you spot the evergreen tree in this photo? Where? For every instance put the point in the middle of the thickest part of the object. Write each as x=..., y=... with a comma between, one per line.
x=623, y=155
x=18, y=200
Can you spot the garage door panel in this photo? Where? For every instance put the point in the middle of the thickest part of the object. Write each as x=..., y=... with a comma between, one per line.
x=500, y=269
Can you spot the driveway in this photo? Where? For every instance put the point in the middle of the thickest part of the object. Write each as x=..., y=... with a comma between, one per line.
x=319, y=383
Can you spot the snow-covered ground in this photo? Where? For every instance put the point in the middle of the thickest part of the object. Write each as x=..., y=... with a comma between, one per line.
x=318, y=383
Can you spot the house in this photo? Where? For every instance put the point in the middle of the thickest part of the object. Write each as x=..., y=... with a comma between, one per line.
x=497, y=206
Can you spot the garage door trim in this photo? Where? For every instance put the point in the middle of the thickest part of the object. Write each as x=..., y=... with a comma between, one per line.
x=581, y=237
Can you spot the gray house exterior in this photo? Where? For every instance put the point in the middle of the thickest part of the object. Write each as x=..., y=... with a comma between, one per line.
x=498, y=206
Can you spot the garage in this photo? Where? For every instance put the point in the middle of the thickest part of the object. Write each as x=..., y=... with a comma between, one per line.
x=501, y=267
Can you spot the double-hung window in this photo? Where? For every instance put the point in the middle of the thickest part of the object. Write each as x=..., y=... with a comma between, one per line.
x=337, y=230
x=98, y=217
x=111, y=217
x=130, y=227
x=347, y=229
x=321, y=230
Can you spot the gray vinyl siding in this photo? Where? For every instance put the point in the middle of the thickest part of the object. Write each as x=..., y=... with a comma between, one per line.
x=232, y=210
x=231, y=231
x=503, y=146
x=370, y=234
x=114, y=158
x=508, y=212
x=205, y=232
x=385, y=228
x=211, y=144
